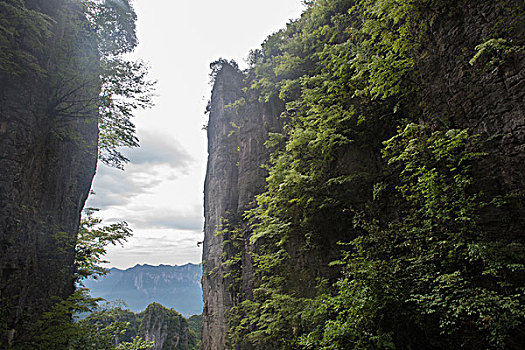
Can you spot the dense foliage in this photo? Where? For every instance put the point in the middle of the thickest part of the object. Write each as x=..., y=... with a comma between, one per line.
x=195, y=325
x=81, y=67
x=375, y=230
x=163, y=324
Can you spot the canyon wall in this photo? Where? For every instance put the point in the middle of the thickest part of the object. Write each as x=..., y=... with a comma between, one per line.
x=234, y=176
x=485, y=95
x=460, y=78
x=47, y=162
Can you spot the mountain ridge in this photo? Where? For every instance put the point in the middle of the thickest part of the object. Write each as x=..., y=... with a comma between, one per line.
x=173, y=286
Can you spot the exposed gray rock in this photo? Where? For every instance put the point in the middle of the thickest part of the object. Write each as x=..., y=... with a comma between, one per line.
x=234, y=176
x=167, y=328
x=47, y=163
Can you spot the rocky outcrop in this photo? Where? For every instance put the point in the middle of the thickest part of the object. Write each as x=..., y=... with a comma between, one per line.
x=167, y=328
x=484, y=95
x=47, y=163
x=221, y=196
x=236, y=151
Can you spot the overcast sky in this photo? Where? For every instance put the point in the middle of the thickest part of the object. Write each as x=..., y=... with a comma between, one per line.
x=160, y=194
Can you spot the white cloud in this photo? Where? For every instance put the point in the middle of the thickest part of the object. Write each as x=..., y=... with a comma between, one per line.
x=170, y=218
x=158, y=149
x=113, y=187
x=160, y=194
x=159, y=158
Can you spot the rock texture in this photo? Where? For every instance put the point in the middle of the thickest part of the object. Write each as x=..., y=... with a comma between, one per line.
x=46, y=167
x=487, y=100
x=234, y=176
x=484, y=97
x=167, y=328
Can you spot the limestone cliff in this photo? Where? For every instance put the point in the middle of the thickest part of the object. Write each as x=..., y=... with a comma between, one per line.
x=47, y=163
x=167, y=328
x=466, y=73
x=234, y=176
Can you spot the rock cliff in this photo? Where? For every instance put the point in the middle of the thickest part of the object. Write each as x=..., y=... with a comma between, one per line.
x=236, y=151
x=461, y=79
x=47, y=163
x=167, y=328
x=485, y=95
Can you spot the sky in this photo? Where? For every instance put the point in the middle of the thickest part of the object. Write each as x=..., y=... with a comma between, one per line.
x=160, y=192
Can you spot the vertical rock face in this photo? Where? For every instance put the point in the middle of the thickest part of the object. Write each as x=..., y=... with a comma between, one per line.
x=234, y=176
x=167, y=328
x=485, y=95
x=452, y=90
x=47, y=163
x=220, y=196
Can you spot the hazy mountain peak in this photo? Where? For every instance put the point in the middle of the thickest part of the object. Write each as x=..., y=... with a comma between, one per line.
x=177, y=287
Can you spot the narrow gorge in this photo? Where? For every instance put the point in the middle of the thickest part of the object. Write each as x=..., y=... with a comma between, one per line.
x=365, y=183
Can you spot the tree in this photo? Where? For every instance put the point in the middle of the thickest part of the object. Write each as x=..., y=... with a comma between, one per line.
x=124, y=84
x=81, y=67
x=125, y=87
x=92, y=243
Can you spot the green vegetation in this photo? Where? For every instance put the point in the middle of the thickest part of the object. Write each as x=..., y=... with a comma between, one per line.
x=375, y=230
x=68, y=58
x=195, y=326
x=92, y=241
x=113, y=328
x=76, y=49
x=157, y=321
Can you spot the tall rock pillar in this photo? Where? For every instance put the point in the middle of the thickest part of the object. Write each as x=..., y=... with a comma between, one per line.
x=236, y=151
x=220, y=196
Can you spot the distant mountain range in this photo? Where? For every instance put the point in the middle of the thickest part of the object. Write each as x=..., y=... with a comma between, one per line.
x=177, y=287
